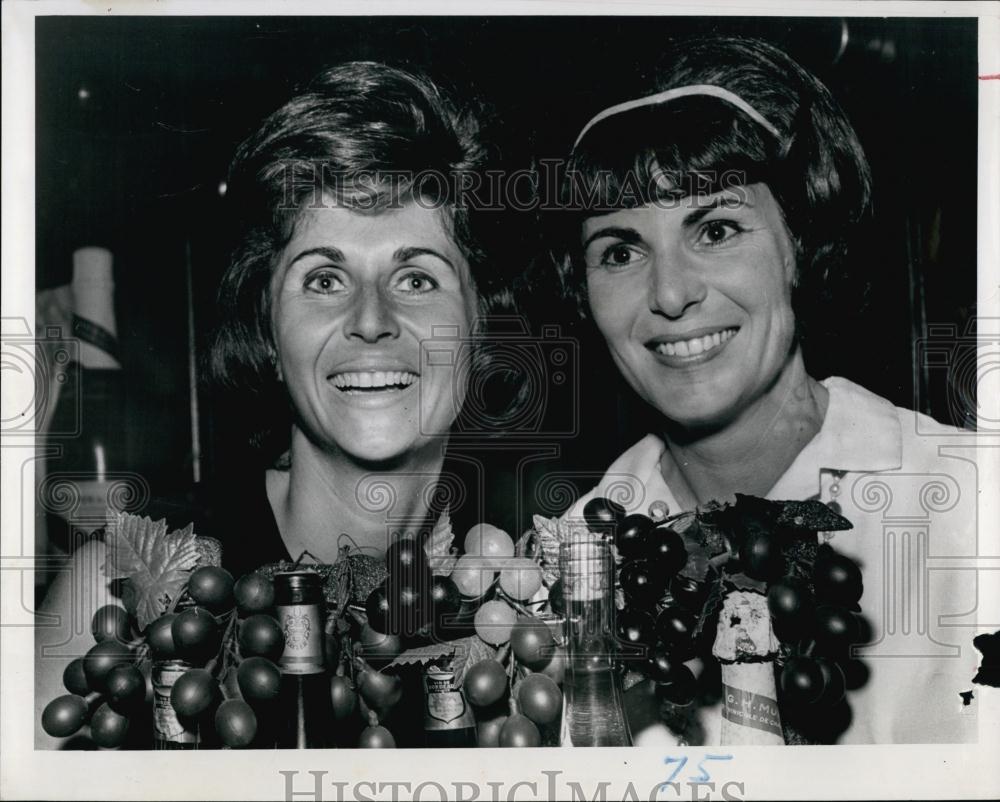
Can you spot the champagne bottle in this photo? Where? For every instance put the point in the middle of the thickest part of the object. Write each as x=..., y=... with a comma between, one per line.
x=593, y=709
x=305, y=710
x=448, y=718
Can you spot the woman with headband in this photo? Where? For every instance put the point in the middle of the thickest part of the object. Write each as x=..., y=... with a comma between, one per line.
x=711, y=212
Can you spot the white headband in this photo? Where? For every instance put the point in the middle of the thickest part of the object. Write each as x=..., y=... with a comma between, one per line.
x=680, y=91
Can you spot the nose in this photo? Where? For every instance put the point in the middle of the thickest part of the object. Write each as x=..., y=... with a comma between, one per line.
x=675, y=285
x=372, y=317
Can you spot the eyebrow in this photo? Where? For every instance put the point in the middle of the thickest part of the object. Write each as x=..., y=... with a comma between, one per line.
x=627, y=235
x=717, y=202
x=400, y=255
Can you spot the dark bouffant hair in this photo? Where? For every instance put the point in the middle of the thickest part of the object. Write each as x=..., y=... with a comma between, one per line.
x=815, y=167
x=363, y=134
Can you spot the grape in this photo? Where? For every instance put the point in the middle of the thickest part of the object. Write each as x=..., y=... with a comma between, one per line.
x=236, y=723
x=99, y=661
x=837, y=578
x=379, y=647
x=485, y=683
x=662, y=667
x=376, y=737
x=259, y=679
x=634, y=627
x=379, y=690
x=377, y=609
x=680, y=688
x=343, y=698
x=531, y=641
x=556, y=601
x=108, y=728
x=64, y=715
x=127, y=687
x=405, y=615
x=261, y=636
x=761, y=556
x=488, y=731
x=801, y=680
x=484, y=540
x=789, y=600
x=666, y=550
x=494, y=621
x=405, y=559
x=835, y=627
x=110, y=622
x=160, y=638
x=519, y=731
x=834, y=683
x=254, y=594
x=675, y=628
x=603, y=515
x=212, y=587
x=632, y=534
x=196, y=634
x=521, y=578
x=473, y=575
x=193, y=692
x=75, y=679
x=642, y=582
x=688, y=592
x=539, y=698
x=555, y=668
x=446, y=601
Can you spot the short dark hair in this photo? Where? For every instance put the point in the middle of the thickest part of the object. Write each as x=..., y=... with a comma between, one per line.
x=365, y=131
x=815, y=167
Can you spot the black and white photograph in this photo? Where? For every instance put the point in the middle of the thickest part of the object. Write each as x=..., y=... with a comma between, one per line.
x=618, y=384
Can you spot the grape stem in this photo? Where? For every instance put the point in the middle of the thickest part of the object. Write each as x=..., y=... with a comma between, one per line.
x=518, y=607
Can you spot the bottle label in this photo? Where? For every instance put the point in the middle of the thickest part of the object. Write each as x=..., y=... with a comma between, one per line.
x=167, y=728
x=303, y=629
x=446, y=707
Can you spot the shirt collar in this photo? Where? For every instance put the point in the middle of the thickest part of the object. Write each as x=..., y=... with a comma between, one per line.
x=861, y=432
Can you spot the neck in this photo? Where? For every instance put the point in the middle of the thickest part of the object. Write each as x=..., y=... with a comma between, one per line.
x=324, y=494
x=751, y=452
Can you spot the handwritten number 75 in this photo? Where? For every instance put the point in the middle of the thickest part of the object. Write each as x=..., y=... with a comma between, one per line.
x=703, y=773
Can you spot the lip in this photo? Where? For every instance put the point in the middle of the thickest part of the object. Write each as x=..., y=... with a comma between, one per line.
x=691, y=360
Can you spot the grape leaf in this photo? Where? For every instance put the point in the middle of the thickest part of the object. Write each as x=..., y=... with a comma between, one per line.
x=438, y=546
x=743, y=582
x=712, y=605
x=155, y=562
x=697, y=565
x=523, y=547
x=468, y=652
x=812, y=515
x=424, y=654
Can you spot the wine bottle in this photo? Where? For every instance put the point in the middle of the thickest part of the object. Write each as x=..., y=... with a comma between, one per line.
x=304, y=704
x=593, y=710
x=448, y=718
x=91, y=403
x=169, y=731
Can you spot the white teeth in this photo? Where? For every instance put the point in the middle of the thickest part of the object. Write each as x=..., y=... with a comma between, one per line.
x=697, y=345
x=374, y=379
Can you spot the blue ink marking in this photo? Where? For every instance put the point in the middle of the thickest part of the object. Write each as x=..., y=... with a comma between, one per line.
x=680, y=761
x=703, y=777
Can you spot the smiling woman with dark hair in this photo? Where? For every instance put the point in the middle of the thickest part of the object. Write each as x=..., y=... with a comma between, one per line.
x=353, y=252
x=720, y=202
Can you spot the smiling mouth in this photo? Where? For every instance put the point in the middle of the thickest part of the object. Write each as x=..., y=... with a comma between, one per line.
x=696, y=346
x=373, y=381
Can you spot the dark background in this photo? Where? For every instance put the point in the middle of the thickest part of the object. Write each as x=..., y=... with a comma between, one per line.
x=135, y=160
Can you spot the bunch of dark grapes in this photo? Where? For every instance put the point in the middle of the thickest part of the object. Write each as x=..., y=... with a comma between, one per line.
x=228, y=636
x=815, y=618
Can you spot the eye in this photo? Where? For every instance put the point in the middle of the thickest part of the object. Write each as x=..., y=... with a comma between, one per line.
x=416, y=282
x=717, y=232
x=324, y=282
x=619, y=255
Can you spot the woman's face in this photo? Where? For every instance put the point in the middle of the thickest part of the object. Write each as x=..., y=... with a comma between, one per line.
x=354, y=296
x=694, y=300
